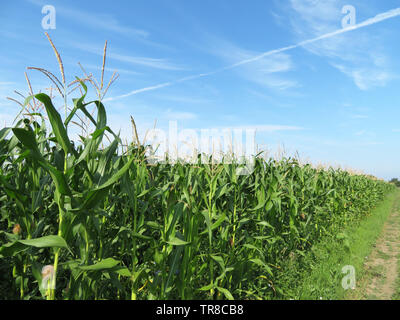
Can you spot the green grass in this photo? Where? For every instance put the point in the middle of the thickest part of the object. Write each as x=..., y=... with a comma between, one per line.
x=319, y=272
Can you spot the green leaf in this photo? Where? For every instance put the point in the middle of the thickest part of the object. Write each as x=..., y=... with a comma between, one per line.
x=101, y=115
x=221, y=191
x=4, y=132
x=123, y=271
x=174, y=266
x=265, y=224
x=154, y=225
x=205, y=213
x=56, y=122
x=206, y=288
x=250, y=246
x=226, y=293
x=106, y=157
x=94, y=196
x=177, y=242
x=177, y=213
x=117, y=175
x=259, y=206
x=104, y=264
x=59, y=180
x=47, y=241
x=77, y=103
x=10, y=249
x=219, y=260
x=12, y=192
x=216, y=224
x=262, y=264
x=27, y=138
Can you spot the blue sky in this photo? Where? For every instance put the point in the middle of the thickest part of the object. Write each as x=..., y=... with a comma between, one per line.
x=334, y=100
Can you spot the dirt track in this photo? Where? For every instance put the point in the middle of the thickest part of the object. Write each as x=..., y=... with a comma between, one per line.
x=380, y=280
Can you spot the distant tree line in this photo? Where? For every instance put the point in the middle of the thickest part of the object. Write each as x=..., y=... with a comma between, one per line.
x=395, y=181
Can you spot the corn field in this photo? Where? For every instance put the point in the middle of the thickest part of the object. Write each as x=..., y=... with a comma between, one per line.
x=114, y=226
x=82, y=221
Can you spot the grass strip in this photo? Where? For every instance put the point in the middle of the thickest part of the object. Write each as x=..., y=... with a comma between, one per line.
x=318, y=275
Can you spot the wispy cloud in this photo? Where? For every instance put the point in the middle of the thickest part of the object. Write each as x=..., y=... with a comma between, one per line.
x=361, y=132
x=266, y=72
x=270, y=128
x=262, y=128
x=183, y=99
x=177, y=115
x=119, y=70
x=102, y=21
x=133, y=92
x=6, y=83
x=366, y=135
x=272, y=101
x=362, y=60
x=377, y=19
x=6, y=120
x=156, y=63
x=105, y=22
x=145, y=61
x=366, y=77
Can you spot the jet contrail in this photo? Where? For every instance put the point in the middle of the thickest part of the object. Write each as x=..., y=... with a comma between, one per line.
x=162, y=85
x=378, y=18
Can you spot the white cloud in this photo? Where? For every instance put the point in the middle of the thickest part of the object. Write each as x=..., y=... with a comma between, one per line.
x=6, y=119
x=177, y=115
x=156, y=63
x=361, y=132
x=133, y=92
x=362, y=59
x=110, y=69
x=104, y=21
x=265, y=71
x=145, y=61
x=183, y=99
x=305, y=43
x=265, y=128
x=367, y=77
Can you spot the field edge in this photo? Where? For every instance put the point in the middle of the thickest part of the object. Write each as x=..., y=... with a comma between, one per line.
x=318, y=275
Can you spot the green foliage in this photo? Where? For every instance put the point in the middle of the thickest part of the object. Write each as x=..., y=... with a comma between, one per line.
x=396, y=182
x=115, y=226
x=318, y=275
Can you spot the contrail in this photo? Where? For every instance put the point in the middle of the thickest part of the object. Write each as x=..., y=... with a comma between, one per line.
x=378, y=18
x=162, y=85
